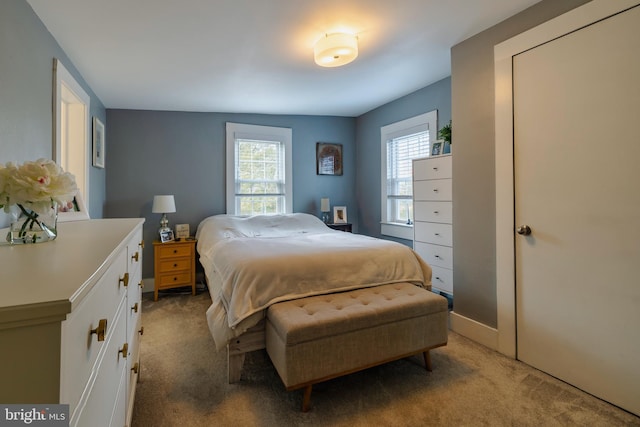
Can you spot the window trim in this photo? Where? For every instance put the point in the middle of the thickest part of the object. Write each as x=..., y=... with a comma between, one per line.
x=427, y=121
x=262, y=133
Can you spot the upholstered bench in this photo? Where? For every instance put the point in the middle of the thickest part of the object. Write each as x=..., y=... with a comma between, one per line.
x=314, y=339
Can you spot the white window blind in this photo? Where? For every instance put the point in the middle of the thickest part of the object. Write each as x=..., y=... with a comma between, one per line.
x=260, y=177
x=401, y=142
x=400, y=154
x=259, y=173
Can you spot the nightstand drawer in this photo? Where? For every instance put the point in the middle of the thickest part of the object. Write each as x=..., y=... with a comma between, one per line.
x=174, y=250
x=173, y=265
x=174, y=279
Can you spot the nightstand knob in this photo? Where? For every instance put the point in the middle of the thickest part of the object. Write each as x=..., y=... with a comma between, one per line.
x=135, y=257
x=125, y=279
x=175, y=251
x=101, y=330
x=124, y=350
x=135, y=308
x=175, y=265
x=175, y=278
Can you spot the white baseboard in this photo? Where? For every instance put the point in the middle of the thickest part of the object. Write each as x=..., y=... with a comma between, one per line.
x=474, y=330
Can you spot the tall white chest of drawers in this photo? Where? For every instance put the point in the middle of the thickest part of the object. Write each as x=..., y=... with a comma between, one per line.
x=70, y=320
x=433, y=218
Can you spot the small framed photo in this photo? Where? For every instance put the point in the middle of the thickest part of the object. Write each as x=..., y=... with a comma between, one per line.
x=75, y=210
x=182, y=231
x=328, y=159
x=166, y=236
x=339, y=214
x=98, y=143
x=436, y=150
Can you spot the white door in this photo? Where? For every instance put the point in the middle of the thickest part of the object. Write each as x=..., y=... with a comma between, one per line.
x=577, y=186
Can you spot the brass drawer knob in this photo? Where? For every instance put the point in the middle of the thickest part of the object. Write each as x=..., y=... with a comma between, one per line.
x=141, y=331
x=135, y=308
x=136, y=368
x=125, y=279
x=141, y=283
x=124, y=350
x=101, y=330
x=141, y=244
x=135, y=257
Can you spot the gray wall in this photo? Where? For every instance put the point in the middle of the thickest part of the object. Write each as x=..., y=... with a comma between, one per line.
x=433, y=97
x=181, y=153
x=472, y=89
x=27, y=50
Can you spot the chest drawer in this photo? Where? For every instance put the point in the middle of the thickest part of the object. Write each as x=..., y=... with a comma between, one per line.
x=173, y=250
x=442, y=279
x=434, y=211
x=435, y=189
x=178, y=264
x=432, y=168
x=441, y=256
x=431, y=232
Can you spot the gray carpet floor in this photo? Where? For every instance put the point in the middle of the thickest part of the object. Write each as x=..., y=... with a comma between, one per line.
x=184, y=383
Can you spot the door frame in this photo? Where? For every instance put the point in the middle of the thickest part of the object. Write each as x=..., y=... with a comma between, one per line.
x=504, y=52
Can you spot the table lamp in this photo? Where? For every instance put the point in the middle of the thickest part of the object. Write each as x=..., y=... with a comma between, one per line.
x=324, y=208
x=164, y=205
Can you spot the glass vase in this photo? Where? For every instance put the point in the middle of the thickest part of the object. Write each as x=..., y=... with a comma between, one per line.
x=30, y=227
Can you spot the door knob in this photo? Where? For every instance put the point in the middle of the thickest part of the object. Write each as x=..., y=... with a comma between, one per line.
x=524, y=230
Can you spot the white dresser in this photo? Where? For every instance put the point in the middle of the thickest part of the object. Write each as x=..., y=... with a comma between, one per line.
x=70, y=320
x=433, y=218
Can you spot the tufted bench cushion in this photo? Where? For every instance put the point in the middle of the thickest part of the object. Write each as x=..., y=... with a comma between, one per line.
x=314, y=339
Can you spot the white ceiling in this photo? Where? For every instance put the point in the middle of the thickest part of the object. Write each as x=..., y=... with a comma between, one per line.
x=256, y=56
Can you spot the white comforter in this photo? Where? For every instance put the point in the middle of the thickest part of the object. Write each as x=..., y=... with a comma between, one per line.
x=260, y=261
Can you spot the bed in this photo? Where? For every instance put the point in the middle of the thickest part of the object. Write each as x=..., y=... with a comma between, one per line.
x=251, y=263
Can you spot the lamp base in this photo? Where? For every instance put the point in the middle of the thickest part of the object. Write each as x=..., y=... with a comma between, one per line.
x=325, y=217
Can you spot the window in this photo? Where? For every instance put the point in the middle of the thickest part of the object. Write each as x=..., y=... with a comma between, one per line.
x=258, y=170
x=401, y=142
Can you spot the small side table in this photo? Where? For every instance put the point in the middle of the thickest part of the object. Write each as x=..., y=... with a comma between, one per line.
x=174, y=265
x=342, y=227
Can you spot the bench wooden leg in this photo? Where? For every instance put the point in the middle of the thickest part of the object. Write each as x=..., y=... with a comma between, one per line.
x=427, y=360
x=306, y=399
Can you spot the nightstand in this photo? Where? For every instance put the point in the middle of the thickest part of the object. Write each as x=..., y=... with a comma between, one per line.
x=342, y=227
x=174, y=265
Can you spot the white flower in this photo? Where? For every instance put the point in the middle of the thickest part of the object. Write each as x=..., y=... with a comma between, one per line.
x=35, y=185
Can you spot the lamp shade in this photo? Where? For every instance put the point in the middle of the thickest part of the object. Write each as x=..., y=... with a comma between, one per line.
x=324, y=204
x=334, y=50
x=163, y=204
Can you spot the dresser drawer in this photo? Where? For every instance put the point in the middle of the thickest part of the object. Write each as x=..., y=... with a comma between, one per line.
x=435, y=255
x=432, y=168
x=442, y=279
x=80, y=348
x=171, y=280
x=107, y=389
x=431, y=232
x=433, y=212
x=174, y=250
x=134, y=253
x=436, y=190
x=173, y=265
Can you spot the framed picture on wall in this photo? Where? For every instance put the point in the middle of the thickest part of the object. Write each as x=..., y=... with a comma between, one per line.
x=98, y=143
x=436, y=149
x=328, y=159
x=339, y=214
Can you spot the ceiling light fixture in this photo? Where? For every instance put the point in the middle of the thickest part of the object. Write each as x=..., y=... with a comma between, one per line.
x=336, y=49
